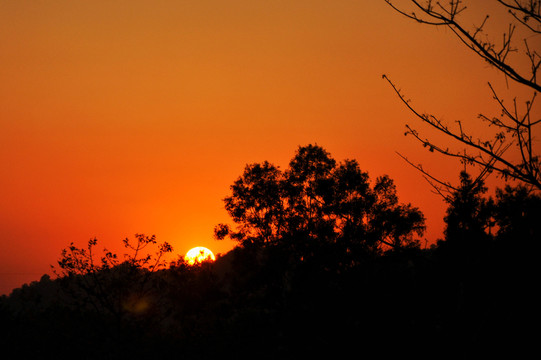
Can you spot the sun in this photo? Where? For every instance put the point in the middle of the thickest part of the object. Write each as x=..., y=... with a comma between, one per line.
x=198, y=254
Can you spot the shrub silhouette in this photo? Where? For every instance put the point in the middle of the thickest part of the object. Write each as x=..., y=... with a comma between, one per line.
x=108, y=284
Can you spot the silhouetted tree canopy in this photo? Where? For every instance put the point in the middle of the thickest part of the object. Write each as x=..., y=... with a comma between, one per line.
x=469, y=215
x=317, y=273
x=518, y=215
x=475, y=222
x=316, y=203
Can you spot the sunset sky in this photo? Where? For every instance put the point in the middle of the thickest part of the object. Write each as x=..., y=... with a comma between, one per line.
x=124, y=117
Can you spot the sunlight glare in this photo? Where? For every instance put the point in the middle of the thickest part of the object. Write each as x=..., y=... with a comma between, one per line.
x=199, y=254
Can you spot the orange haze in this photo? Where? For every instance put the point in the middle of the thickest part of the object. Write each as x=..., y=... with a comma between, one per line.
x=124, y=117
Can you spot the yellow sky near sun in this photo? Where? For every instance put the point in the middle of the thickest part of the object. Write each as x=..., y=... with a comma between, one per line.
x=124, y=117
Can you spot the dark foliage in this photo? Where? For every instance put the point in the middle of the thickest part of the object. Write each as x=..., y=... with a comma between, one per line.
x=318, y=205
x=470, y=296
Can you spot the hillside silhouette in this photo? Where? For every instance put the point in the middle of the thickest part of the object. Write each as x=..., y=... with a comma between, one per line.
x=328, y=263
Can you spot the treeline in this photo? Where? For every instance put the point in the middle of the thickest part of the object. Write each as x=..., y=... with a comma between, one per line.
x=328, y=263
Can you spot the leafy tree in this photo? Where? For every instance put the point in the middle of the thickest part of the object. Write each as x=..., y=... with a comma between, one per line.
x=317, y=204
x=485, y=268
x=519, y=61
x=517, y=213
x=307, y=189
x=469, y=215
x=256, y=205
x=474, y=221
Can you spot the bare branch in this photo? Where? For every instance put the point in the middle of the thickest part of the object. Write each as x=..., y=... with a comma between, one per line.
x=485, y=49
x=491, y=154
x=513, y=127
x=525, y=12
x=442, y=188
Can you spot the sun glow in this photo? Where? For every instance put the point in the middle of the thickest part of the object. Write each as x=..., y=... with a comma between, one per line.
x=199, y=254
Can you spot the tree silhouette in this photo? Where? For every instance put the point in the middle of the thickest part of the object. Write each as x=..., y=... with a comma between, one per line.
x=472, y=219
x=517, y=215
x=485, y=268
x=469, y=215
x=511, y=151
x=319, y=205
x=327, y=265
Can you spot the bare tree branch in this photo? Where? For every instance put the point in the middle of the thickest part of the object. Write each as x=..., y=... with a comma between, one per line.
x=490, y=154
x=447, y=16
x=513, y=128
x=524, y=11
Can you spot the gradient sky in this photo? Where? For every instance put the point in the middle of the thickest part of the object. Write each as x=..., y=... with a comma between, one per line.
x=124, y=117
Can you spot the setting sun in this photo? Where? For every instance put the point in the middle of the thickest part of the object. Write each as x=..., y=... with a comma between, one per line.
x=199, y=254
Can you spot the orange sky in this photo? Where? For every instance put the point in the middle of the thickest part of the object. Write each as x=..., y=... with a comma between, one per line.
x=124, y=117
